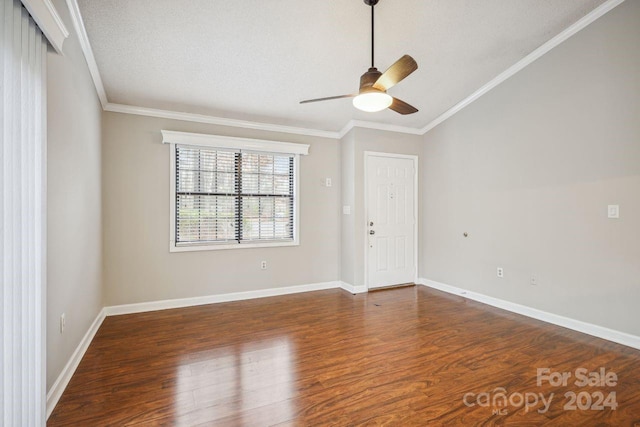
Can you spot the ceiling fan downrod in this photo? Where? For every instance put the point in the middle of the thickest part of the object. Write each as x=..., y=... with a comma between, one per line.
x=372, y=3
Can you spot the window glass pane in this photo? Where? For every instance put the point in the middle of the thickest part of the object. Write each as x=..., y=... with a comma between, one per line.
x=197, y=217
x=266, y=208
x=282, y=207
x=187, y=219
x=206, y=160
x=250, y=162
x=226, y=218
x=281, y=229
x=188, y=159
x=186, y=181
x=266, y=230
x=281, y=165
x=226, y=161
x=251, y=228
x=266, y=164
x=266, y=184
x=250, y=207
x=226, y=208
x=250, y=218
x=250, y=183
x=281, y=184
x=225, y=182
x=266, y=218
x=206, y=182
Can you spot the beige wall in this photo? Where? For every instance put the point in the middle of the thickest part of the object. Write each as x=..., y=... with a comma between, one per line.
x=138, y=265
x=528, y=171
x=74, y=254
x=348, y=265
x=355, y=143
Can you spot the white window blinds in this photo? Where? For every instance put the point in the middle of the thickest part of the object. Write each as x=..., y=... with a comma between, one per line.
x=233, y=196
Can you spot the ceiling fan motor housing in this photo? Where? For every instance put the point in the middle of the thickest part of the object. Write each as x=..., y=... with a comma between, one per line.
x=368, y=79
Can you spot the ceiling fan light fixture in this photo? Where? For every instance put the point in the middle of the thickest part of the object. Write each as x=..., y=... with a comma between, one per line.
x=372, y=102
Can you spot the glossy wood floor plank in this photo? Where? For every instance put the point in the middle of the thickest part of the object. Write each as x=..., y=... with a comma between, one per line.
x=404, y=356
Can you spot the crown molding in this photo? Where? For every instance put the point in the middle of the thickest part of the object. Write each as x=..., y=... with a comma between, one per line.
x=378, y=126
x=83, y=38
x=49, y=21
x=557, y=40
x=199, y=118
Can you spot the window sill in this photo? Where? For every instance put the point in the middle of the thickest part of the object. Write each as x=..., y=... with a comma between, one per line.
x=192, y=248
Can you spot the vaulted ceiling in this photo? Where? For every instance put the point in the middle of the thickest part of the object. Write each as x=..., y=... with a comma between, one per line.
x=255, y=60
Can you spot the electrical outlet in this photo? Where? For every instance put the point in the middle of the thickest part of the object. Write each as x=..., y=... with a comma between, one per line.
x=534, y=279
x=263, y=265
x=327, y=182
x=500, y=272
x=62, y=322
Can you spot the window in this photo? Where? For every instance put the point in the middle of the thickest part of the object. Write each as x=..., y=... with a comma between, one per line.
x=229, y=194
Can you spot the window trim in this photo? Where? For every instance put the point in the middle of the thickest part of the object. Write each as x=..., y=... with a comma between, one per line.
x=243, y=144
x=233, y=143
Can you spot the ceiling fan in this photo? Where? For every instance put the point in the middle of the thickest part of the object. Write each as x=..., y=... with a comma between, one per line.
x=372, y=95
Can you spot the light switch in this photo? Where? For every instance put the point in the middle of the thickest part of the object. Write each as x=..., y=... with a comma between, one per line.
x=346, y=210
x=327, y=182
x=613, y=211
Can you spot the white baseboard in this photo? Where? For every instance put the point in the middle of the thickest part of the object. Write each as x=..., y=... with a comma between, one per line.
x=353, y=289
x=212, y=299
x=566, y=322
x=58, y=387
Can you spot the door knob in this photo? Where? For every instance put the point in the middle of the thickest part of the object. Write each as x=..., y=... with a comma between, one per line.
x=372, y=232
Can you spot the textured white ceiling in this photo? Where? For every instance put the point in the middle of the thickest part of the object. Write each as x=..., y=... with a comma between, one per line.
x=255, y=60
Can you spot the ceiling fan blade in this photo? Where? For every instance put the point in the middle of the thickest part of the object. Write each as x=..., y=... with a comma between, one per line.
x=306, y=101
x=396, y=73
x=402, y=107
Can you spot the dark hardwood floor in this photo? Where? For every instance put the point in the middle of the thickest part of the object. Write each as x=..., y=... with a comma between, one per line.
x=406, y=356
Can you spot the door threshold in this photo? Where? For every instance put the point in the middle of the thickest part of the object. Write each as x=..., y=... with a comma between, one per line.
x=386, y=288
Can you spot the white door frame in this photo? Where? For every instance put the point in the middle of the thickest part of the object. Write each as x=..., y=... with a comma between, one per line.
x=368, y=154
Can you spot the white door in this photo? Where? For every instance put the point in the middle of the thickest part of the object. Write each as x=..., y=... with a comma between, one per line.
x=391, y=219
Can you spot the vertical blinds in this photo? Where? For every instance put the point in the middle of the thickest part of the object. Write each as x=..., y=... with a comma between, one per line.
x=22, y=217
x=227, y=196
